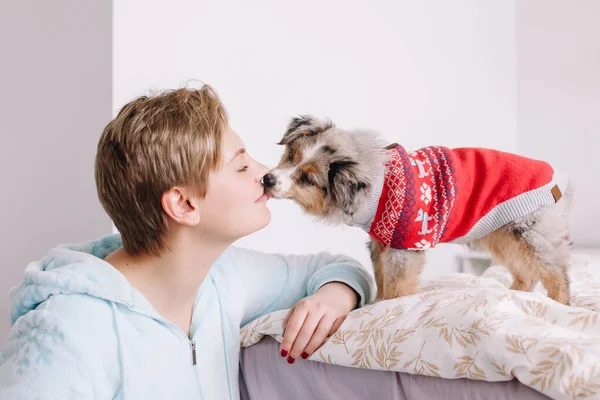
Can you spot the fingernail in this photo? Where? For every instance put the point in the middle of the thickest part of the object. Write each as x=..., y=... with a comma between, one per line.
x=291, y=360
x=284, y=353
x=304, y=355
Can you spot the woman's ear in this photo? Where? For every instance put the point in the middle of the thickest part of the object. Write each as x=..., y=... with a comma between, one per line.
x=181, y=205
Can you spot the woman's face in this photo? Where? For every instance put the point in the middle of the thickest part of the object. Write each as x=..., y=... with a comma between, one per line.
x=235, y=203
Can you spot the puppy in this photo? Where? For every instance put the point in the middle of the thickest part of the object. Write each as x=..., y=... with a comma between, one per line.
x=514, y=207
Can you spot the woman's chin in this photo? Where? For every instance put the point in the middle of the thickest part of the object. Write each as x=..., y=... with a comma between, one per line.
x=266, y=218
x=262, y=218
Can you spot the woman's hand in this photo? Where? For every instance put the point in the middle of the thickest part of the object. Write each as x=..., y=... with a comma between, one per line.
x=313, y=319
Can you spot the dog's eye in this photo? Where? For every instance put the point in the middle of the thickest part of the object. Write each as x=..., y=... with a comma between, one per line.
x=305, y=179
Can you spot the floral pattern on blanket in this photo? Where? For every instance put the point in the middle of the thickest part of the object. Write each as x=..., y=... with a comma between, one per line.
x=463, y=326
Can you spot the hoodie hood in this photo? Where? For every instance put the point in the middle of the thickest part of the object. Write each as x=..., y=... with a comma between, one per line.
x=73, y=269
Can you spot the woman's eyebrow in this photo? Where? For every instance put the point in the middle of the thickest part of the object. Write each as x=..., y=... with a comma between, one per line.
x=237, y=153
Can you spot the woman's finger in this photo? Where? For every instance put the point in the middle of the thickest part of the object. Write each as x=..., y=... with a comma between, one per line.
x=305, y=334
x=292, y=328
x=319, y=336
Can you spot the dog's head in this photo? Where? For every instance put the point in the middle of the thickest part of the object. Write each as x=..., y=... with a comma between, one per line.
x=320, y=169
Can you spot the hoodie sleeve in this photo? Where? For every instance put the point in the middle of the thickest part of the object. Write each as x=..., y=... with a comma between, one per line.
x=39, y=361
x=273, y=282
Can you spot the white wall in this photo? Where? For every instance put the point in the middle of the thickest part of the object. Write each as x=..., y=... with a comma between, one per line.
x=434, y=73
x=423, y=73
x=55, y=77
x=558, y=63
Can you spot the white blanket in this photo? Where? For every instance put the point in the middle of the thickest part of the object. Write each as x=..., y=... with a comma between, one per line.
x=463, y=326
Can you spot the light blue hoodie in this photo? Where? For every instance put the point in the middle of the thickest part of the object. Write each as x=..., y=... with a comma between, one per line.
x=81, y=331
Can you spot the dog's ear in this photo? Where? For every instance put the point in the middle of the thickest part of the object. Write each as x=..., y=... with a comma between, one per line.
x=304, y=125
x=346, y=184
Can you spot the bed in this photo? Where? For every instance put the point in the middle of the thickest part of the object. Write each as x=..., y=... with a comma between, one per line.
x=460, y=337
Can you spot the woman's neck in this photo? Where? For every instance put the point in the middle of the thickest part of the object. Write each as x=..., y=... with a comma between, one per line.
x=170, y=282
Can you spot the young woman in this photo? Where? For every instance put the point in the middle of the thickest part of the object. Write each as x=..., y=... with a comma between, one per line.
x=155, y=311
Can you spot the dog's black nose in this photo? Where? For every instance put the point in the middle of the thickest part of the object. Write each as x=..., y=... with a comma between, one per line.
x=269, y=180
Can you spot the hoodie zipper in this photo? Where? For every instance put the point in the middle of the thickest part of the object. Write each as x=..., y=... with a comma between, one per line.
x=163, y=321
x=193, y=347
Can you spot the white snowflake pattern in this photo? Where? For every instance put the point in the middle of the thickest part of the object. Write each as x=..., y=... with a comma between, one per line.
x=426, y=193
x=423, y=244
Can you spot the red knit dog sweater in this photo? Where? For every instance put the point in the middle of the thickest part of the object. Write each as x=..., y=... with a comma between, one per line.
x=439, y=195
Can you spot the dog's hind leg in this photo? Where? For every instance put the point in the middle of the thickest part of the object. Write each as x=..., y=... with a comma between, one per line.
x=556, y=282
x=515, y=255
x=534, y=247
x=546, y=232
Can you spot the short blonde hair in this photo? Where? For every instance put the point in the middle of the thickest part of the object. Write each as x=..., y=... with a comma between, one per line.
x=153, y=144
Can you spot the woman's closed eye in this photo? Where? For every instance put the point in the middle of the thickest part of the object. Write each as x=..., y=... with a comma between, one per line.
x=244, y=159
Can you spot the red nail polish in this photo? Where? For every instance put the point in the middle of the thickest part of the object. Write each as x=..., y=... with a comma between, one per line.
x=291, y=360
x=283, y=353
x=305, y=355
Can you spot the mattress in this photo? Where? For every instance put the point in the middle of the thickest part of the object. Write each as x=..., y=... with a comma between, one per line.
x=265, y=375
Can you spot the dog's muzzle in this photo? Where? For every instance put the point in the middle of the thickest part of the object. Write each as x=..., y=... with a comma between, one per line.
x=269, y=181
